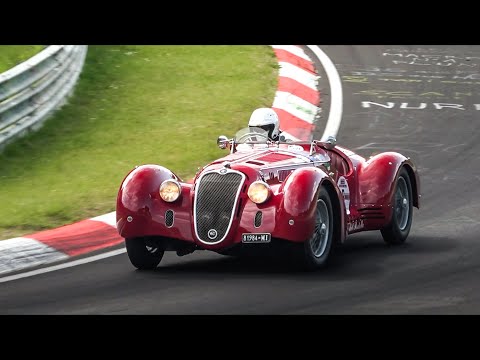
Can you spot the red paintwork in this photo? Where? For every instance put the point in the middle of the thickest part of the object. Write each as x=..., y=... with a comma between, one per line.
x=370, y=183
x=287, y=56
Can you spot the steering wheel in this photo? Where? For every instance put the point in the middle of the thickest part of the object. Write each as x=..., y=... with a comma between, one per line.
x=252, y=137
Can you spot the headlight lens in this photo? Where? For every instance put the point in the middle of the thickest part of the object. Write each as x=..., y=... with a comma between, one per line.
x=259, y=192
x=170, y=190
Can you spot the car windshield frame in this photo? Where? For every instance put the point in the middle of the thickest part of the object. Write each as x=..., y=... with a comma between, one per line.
x=255, y=138
x=257, y=135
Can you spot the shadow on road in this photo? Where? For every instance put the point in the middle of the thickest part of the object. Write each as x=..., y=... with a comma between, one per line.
x=363, y=256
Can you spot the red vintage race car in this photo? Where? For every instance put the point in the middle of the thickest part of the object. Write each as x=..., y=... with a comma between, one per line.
x=300, y=198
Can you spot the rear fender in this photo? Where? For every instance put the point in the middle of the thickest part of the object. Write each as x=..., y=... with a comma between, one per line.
x=377, y=177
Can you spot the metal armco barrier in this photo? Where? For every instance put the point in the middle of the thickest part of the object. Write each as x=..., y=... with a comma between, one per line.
x=32, y=90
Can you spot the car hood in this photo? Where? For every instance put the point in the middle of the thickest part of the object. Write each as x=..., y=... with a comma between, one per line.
x=261, y=159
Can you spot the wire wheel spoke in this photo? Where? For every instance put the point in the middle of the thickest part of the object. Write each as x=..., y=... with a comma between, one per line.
x=402, y=204
x=319, y=239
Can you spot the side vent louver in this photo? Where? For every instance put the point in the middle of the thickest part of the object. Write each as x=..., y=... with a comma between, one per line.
x=169, y=218
x=258, y=219
x=371, y=213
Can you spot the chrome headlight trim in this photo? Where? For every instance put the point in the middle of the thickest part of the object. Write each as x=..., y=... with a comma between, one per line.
x=170, y=190
x=259, y=192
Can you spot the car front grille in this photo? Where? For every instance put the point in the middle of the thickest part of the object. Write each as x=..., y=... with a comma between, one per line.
x=216, y=197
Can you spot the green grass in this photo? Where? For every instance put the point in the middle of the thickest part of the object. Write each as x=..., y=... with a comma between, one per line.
x=133, y=105
x=12, y=55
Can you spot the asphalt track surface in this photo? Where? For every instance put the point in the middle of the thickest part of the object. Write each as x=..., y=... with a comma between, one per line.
x=435, y=272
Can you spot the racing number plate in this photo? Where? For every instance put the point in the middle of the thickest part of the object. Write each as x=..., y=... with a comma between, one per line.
x=256, y=238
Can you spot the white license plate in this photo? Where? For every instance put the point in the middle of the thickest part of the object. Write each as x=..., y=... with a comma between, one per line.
x=256, y=238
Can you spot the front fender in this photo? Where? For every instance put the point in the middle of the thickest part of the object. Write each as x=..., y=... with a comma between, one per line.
x=300, y=191
x=295, y=217
x=138, y=192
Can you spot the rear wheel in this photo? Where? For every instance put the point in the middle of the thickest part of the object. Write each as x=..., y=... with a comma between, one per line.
x=396, y=232
x=316, y=250
x=143, y=253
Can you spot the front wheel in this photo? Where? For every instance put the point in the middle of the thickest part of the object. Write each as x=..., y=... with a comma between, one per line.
x=316, y=250
x=396, y=232
x=143, y=253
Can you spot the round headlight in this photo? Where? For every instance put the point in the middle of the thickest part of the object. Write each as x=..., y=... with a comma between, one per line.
x=170, y=190
x=259, y=192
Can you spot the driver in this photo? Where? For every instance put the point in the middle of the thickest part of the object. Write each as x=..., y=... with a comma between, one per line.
x=266, y=119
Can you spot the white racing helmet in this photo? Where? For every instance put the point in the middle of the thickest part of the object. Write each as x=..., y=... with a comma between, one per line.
x=267, y=119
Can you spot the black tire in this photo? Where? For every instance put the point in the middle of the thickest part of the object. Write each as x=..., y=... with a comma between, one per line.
x=396, y=232
x=143, y=254
x=315, y=252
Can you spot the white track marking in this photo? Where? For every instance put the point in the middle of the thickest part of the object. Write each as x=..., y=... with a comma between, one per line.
x=21, y=253
x=294, y=49
x=109, y=219
x=63, y=266
x=336, y=95
x=296, y=73
x=296, y=106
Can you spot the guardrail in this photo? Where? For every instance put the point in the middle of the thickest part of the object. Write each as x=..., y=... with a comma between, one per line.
x=32, y=90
